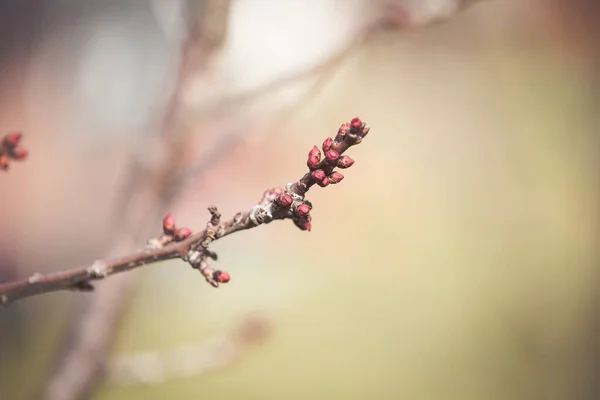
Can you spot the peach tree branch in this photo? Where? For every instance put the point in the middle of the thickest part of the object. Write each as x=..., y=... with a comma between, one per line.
x=275, y=204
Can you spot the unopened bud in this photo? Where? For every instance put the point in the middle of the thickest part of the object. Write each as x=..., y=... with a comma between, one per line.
x=313, y=162
x=345, y=162
x=182, y=234
x=302, y=210
x=168, y=224
x=324, y=182
x=318, y=175
x=285, y=200
x=13, y=139
x=365, y=131
x=356, y=123
x=336, y=177
x=314, y=157
x=221, y=276
x=332, y=155
x=19, y=153
x=327, y=144
x=315, y=152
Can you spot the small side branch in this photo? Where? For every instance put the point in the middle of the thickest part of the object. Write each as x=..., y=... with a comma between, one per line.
x=174, y=242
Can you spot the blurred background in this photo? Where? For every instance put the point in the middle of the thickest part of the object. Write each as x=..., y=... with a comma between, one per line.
x=457, y=260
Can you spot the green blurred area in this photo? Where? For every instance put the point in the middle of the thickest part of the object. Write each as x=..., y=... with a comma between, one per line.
x=457, y=260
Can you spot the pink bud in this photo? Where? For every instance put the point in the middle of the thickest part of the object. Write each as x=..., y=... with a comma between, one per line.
x=314, y=157
x=331, y=155
x=356, y=123
x=327, y=144
x=182, y=234
x=345, y=162
x=324, y=182
x=168, y=224
x=336, y=177
x=364, y=132
x=221, y=276
x=302, y=210
x=19, y=153
x=13, y=138
x=318, y=175
x=307, y=226
x=285, y=200
x=313, y=162
x=315, y=152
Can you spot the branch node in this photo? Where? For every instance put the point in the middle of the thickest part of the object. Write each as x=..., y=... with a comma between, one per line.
x=98, y=270
x=35, y=278
x=215, y=215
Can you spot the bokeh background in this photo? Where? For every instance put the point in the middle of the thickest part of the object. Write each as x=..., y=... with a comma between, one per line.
x=457, y=260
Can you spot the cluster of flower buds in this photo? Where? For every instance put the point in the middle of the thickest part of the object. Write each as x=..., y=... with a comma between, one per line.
x=170, y=230
x=10, y=149
x=299, y=208
x=322, y=170
x=197, y=258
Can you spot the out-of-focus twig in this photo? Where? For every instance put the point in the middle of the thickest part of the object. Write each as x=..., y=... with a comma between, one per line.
x=152, y=367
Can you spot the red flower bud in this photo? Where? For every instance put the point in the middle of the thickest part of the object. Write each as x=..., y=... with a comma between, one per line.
x=313, y=162
x=285, y=200
x=3, y=162
x=221, y=276
x=302, y=210
x=327, y=144
x=182, y=234
x=314, y=157
x=356, y=123
x=13, y=139
x=331, y=155
x=168, y=224
x=336, y=177
x=315, y=152
x=324, y=182
x=345, y=162
x=19, y=153
x=318, y=175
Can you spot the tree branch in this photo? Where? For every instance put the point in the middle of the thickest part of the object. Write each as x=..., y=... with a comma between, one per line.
x=277, y=203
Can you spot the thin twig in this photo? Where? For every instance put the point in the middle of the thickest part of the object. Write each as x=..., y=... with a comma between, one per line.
x=192, y=359
x=288, y=203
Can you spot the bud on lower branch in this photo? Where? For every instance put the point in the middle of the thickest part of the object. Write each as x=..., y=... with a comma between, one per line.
x=168, y=224
x=182, y=234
